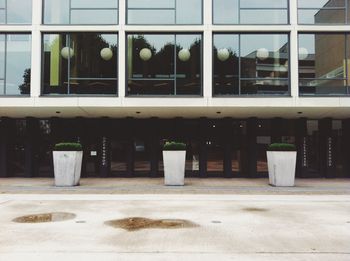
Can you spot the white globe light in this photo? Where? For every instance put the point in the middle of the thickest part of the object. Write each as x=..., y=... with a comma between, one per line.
x=67, y=52
x=303, y=53
x=262, y=53
x=106, y=54
x=184, y=55
x=145, y=54
x=223, y=54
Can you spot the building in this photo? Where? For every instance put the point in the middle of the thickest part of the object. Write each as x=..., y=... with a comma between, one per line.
x=228, y=77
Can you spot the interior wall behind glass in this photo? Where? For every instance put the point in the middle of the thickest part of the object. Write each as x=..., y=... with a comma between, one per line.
x=16, y=12
x=80, y=12
x=164, y=12
x=250, y=12
x=15, y=64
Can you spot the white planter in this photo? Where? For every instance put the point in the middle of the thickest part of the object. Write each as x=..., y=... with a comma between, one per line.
x=281, y=165
x=174, y=167
x=67, y=167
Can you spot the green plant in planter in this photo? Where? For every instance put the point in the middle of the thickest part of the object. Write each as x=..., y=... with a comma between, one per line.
x=68, y=146
x=173, y=145
x=281, y=147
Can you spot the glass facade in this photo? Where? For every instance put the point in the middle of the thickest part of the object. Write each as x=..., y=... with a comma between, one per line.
x=15, y=12
x=250, y=12
x=164, y=12
x=81, y=12
x=80, y=63
x=164, y=64
x=323, y=64
x=251, y=64
x=15, y=64
x=323, y=11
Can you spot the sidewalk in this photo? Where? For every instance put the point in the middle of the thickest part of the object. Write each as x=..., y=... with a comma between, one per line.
x=193, y=186
x=228, y=227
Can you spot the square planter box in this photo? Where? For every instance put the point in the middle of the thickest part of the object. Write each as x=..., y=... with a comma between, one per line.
x=281, y=165
x=67, y=167
x=174, y=167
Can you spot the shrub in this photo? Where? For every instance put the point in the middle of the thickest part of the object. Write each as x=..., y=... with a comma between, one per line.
x=281, y=147
x=68, y=146
x=173, y=145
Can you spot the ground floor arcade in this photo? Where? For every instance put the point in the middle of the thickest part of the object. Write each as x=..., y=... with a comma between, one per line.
x=131, y=147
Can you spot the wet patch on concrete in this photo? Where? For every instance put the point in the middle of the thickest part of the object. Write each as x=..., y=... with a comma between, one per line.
x=138, y=223
x=255, y=209
x=45, y=217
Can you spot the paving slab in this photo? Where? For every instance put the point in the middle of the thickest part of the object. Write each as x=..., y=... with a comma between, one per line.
x=230, y=227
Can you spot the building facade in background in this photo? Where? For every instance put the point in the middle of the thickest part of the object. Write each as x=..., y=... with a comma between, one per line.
x=228, y=77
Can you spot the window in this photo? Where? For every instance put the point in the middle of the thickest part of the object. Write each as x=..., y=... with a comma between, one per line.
x=15, y=64
x=251, y=64
x=15, y=11
x=322, y=11
x=250, y=11
x=80, y=63
x=164, y=64
x=80, y=12
x=164, y=12
x=323, y=64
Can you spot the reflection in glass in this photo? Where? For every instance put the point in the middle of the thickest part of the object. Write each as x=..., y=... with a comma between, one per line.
x=16, y=12
x=15, y=56
x=322, y=66
x=164, y=12
x=259, y=67
x=80, y=63
x=250, y=12
x=153, y=59
x=321, y=11
x=119, y=156
x=81, y=12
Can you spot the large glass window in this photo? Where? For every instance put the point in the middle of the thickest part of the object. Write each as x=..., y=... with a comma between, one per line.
x=323, y=64
x=250, y=11
x=15, y=11
x=80, y=63
x=251, y=64
x=164, y=12
x=80, y=12
x=15, y=64
x=164, y=64
x=323, y=11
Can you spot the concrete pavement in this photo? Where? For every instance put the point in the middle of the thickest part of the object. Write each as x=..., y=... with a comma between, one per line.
x=231, y=227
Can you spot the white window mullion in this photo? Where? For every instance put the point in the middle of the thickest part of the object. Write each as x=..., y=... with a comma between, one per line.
x=207, y=49
x=35, y=86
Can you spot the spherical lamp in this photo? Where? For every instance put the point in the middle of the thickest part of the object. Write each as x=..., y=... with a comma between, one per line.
x=184, y=55
x=223, y=54
x=106, y=54
x=262, y=53
x=67, y=52
x=303, y=53
x=145, y=54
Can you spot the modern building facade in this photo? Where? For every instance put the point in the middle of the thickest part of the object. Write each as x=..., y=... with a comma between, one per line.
x=228, y=77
